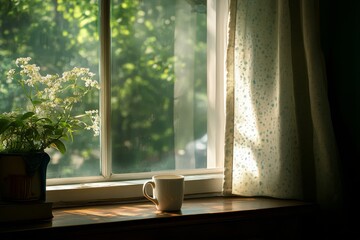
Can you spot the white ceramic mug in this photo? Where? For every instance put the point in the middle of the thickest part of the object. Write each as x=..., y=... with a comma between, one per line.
x=168, y=192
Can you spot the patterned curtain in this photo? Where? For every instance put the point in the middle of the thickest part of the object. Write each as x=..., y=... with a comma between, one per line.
x=279, y=138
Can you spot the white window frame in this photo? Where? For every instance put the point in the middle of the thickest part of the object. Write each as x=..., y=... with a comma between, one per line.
x=129, y=186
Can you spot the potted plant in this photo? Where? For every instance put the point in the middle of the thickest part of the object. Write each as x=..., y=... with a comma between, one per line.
x=45, y=119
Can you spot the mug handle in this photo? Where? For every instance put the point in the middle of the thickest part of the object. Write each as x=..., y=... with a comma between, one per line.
x=152, y=184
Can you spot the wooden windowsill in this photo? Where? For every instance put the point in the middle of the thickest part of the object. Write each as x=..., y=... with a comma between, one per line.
x=141, y=218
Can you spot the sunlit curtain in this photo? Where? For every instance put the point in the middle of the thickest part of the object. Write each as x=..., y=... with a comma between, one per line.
x=279, y=138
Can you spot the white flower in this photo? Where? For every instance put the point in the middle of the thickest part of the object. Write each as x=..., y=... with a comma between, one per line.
x=10, y=76
x=95, y=119
x=49, y=111
x=22, y=61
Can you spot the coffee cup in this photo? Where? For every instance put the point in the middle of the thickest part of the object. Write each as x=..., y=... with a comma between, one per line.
x=168, y=191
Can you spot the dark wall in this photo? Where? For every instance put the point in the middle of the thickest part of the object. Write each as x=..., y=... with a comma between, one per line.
x=340, y=32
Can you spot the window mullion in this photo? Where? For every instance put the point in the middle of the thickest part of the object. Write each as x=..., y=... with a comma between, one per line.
x=211, y=82
x=217, y=32
x=105, y=78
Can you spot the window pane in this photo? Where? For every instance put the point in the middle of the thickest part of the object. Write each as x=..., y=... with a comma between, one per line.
x=58, y=35
x=158, y=88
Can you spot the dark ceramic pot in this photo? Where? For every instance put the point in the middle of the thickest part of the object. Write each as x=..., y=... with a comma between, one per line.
x=23, y=176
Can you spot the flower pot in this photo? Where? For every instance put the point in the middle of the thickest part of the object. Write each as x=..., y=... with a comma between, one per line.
x=23, y=176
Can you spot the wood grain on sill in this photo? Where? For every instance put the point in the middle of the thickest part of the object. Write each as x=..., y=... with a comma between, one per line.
x=143, y=215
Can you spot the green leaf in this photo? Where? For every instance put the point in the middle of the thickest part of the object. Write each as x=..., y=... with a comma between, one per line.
x=59, y=132
x=27, y=115
x=59, y=145
x=17, y=123
x=47, y=120
x=50, y=127
x=4, y=124
x=36, y=102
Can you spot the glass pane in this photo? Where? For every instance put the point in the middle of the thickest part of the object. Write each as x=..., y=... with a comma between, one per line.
x=158, y=89
x=58, y=35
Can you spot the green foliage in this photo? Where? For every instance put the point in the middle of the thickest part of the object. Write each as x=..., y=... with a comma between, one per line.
x=65, y=33
x=46, y=118
x=143, y=81
x=48, y=31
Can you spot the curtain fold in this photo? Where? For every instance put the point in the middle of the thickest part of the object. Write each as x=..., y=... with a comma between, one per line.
x=279, y=139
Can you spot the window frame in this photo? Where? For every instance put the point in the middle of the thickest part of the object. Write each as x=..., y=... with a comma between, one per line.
x=129, y=186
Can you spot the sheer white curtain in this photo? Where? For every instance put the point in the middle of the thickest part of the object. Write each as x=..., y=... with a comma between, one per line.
x=279, y=138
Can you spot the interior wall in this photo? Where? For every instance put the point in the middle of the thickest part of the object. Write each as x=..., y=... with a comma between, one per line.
x=340, y=32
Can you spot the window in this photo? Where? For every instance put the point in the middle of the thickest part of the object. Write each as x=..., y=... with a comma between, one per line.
x=160, y=64
x=158, y=86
